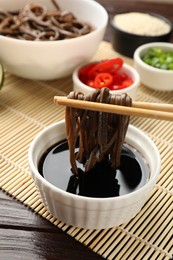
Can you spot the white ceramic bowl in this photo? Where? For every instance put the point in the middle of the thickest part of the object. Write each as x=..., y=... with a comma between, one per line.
x=78, y=85
x=85, y=212
x=53, y=59
x=157, y=79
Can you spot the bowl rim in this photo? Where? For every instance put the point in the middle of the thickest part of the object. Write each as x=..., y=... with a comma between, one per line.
x=143, y=48
x=85, y=198
x=93, y=3
x=125, y=66
x=163, y=18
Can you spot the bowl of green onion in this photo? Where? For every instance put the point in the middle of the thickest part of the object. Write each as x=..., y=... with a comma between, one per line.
x=154, y=63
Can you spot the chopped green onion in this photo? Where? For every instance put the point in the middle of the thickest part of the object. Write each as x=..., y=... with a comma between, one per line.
x=158, y=58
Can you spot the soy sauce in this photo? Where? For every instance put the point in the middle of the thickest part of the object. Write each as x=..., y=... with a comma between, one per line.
x=102, y=181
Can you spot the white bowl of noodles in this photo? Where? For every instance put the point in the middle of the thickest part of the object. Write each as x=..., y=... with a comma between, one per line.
x=52, y=57
x=89, y=212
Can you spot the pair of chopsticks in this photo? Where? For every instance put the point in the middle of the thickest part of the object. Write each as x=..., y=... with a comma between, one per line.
x=140, y=109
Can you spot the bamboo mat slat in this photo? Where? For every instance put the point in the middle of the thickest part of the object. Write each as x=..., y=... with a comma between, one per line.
x=26, y=107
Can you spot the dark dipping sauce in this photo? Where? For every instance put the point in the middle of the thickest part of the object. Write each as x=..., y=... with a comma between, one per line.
x=102, y=181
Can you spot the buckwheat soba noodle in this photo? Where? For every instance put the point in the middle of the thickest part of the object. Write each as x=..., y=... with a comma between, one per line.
x=35, y=22
x=94, y=159
x=101, y=135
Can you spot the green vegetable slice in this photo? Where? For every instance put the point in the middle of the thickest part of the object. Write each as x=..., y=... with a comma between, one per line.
x=158, y=58
x=1, y=76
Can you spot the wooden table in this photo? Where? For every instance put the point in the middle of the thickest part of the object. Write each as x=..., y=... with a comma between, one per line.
x=26, y=235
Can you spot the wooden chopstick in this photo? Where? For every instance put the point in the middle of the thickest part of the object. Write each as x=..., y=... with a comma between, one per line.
x=140, y=109
x=154, y=106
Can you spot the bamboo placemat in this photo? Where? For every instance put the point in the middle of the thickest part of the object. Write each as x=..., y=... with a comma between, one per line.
x=26, y=107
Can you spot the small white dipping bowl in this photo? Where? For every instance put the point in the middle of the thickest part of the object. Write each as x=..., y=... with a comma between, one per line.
x=78, y=85
x=87, y=212
x=156, y=79
x=48, y=60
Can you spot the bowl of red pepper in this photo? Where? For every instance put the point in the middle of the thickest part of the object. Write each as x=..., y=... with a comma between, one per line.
x=114, y=74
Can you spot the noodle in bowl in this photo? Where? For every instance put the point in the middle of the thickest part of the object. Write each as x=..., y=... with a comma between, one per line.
x=53, y=58
x=87, y=212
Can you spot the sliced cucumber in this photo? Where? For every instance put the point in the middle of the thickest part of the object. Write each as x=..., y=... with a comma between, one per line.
x=1, y=76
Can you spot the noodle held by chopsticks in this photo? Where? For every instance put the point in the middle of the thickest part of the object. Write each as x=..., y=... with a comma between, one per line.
x=35, y=22
x=100, y=134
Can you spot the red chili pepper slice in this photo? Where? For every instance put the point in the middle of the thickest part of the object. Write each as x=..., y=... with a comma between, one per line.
x=83, y=72
x=103, y=80
x=105, y=74
x=110, y=66
x=126, y=83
